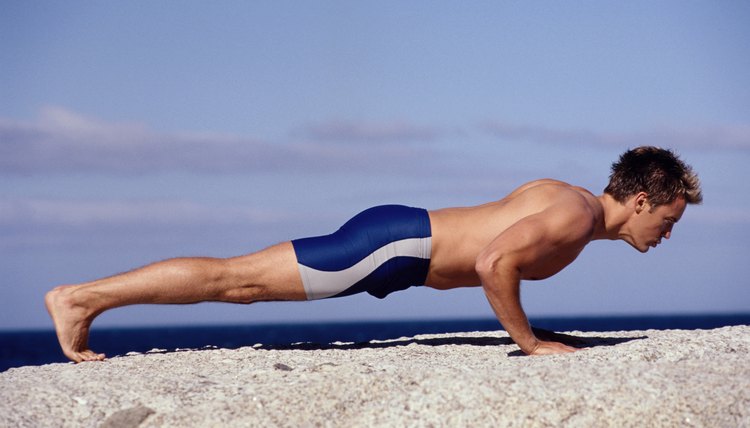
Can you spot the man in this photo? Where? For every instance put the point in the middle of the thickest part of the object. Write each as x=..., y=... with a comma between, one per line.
x=531, y=234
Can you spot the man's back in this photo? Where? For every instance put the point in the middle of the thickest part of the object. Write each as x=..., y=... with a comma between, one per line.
x=460, y=234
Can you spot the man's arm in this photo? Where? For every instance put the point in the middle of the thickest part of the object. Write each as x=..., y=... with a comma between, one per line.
x=536, y=246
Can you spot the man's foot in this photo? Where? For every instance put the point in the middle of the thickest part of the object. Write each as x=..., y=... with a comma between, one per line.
x=72, y=322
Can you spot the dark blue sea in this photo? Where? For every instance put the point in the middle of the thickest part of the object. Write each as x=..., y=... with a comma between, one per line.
x=23, y=348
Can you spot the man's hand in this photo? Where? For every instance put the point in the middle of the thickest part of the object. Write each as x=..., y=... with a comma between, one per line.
x=551, y=336
x=549, y=348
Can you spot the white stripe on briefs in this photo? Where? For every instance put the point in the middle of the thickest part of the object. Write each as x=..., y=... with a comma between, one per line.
x=321, y=284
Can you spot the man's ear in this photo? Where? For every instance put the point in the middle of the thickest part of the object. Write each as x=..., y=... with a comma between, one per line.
x=641, y=202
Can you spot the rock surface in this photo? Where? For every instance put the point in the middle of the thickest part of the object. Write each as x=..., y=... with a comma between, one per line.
x=658, y=378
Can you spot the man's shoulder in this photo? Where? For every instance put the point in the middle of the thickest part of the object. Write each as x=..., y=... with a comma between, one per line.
x=556, y=192
x=564, y=207
x=540, y=185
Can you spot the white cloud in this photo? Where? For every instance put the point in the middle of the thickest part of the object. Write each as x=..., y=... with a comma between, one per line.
x=727, y=137
x=369, y=132
x=61, y=141
x=59, y=212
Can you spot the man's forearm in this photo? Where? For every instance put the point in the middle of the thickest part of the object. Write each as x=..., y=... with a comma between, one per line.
x=502, y=288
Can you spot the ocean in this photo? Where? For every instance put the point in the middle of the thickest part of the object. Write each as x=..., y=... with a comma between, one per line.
x=23, y=348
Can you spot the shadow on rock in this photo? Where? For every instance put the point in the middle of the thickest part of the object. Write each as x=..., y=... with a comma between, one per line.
x=580, y=342
x=441, y=341
x=575, y=341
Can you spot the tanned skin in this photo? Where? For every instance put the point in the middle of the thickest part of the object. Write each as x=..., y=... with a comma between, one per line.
x=531, y=234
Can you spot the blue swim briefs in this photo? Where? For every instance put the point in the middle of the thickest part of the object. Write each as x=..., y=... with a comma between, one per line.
x=380, y=250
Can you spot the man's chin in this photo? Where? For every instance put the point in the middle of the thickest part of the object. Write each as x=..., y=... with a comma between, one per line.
x=641, y=249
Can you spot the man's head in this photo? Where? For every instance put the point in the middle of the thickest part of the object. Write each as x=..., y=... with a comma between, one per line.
x=656, y=185
x=658, y=173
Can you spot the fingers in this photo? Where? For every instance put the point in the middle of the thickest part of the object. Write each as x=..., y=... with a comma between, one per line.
x=552, y=336
x=550, y=348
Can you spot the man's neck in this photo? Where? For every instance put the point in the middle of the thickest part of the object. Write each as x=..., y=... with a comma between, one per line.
x=615, y=216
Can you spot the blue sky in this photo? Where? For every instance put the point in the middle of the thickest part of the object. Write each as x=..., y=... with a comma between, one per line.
x=137, y=131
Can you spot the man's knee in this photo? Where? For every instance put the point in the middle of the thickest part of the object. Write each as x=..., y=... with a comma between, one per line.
x=267, y=275
x=242, y=282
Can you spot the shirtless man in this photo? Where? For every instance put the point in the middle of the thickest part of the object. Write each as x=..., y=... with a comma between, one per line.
x=531, y=234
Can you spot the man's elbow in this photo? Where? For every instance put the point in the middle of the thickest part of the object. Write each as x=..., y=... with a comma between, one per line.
x=491, y=266
x=486, y=265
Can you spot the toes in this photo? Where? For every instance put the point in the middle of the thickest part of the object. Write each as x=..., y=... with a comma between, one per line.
x=91, y=356
x=87, y=355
